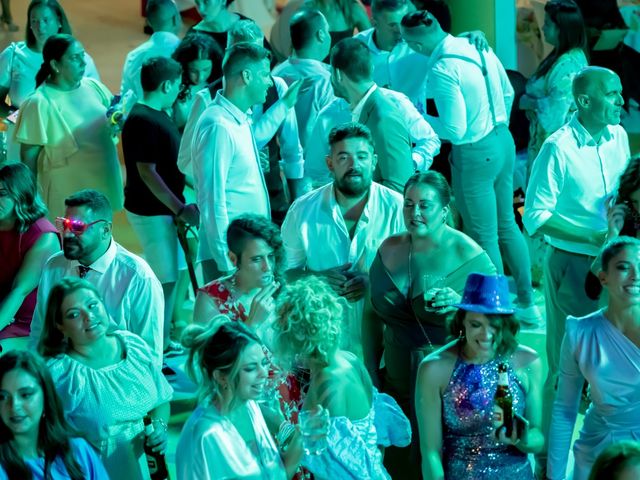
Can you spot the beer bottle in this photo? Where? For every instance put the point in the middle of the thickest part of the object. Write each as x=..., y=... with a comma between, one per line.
x=156, y=460
x=503, y=402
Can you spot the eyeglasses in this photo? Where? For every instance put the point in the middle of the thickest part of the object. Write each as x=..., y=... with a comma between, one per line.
x=415, y=19
x=77, y=227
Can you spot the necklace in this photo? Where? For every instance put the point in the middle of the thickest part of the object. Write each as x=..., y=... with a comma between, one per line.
x=424, y=332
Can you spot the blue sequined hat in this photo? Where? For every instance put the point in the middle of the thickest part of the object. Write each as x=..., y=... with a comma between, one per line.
x=486, y=294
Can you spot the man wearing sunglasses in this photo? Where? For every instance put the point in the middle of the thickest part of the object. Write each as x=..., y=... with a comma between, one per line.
x=132, y=294
x=473, y=96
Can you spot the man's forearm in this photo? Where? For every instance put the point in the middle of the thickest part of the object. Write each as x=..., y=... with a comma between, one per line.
x=559, y=228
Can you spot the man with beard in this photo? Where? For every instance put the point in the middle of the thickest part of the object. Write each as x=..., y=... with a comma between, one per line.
x=335, y=231
x=131, y=292
x=351, y=77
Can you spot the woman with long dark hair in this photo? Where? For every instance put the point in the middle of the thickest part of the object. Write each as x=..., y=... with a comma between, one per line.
x=36, y=442
x=65, y=136
x=27, y=240
x=549, y=99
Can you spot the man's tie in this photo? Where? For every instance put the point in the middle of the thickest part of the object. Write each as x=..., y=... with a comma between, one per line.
x=82, y=270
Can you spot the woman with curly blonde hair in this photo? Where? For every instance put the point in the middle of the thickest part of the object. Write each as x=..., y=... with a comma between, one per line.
x=309, y=326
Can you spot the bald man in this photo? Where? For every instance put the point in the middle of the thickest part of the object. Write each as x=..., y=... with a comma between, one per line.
x=572, y=181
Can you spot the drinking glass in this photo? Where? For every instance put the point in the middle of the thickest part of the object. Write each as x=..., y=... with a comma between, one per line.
x=431, y=284
x=314, y=427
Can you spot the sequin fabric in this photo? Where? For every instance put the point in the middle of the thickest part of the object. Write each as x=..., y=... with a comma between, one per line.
x=470, y=449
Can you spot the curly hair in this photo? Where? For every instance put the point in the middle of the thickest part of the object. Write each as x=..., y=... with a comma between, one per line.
x=251, y=227
x=507, y=328
x=22, y=188
x=309, y=320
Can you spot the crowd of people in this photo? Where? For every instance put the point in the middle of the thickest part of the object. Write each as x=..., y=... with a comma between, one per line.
x=354, y=314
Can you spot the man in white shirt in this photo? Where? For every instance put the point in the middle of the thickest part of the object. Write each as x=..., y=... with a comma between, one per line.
x=164, y=19
x=395, y=65
x=351, y=77
x=473, y=97
x=573, y=180
x=335, y=231
x=131, y=292
x=311, y=43
x=226, y=168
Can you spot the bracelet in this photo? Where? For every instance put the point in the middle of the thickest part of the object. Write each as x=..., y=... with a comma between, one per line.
x=181, y=211
x=161, y=423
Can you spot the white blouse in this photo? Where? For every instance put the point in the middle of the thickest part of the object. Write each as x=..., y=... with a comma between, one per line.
x=18, y=67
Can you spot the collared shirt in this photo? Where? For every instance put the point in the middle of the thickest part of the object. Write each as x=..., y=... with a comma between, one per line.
x=227, y=176
x=265, y=126
x=316, y=237
x=131, y=293
x=574, y=178
x=426, y=143
x=160, y=44
x=357, y=110
x=312, y=99
x=460, y=92
x=400, y=69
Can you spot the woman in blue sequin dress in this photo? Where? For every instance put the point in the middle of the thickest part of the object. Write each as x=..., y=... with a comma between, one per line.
x=456, y=387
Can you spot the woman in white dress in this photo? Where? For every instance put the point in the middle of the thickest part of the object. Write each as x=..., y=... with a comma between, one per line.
x=227, y=436
x=65, y=136
x=604, y=349
x=107, y=381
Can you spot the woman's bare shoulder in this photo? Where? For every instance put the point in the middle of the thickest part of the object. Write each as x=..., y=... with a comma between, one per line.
x=438, y=366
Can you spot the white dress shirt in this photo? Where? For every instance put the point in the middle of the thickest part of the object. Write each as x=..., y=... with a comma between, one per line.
x=316, y=237
x=314, y=98
x=265, y=126
x=574, y=178
x=160, y=44
x=460, y=92
x=131, y=293
x=400, y=69
x=426, y=143
x=227, y=176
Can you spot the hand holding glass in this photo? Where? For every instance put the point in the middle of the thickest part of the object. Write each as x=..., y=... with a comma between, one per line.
x=314, y=427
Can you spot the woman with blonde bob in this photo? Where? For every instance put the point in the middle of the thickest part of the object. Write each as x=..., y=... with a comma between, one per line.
x=309, y=328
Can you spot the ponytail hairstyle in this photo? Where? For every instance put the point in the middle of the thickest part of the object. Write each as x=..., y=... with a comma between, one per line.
x=216, y=347
x=54, y=433
x=54, y=48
